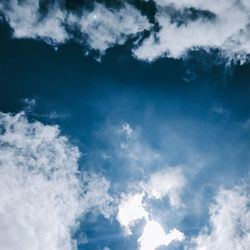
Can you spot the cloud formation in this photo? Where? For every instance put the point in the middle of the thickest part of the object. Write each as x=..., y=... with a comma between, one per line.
x=130, y=210
x=166, y=183
x=178, y=27
x=187, y=25
x=135, y=207
x=103, y=28
x=41, y=193
x=229, y=226
x=26, y=21
x=153, y=236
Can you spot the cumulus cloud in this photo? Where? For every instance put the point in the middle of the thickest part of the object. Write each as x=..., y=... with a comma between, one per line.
x=103, y=28
x=100, y=28
x=41, y=193
x=179, y=26
x=135, y=206
x=26, y=21
x=153, y=236
x=187, y=25
x=130, y=210
x=229, y=226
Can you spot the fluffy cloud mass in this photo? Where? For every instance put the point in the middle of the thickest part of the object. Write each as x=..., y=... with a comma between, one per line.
x=229, y=226
x=186, y=25
x=41, y=191
x=27, y=22
x=178, y=26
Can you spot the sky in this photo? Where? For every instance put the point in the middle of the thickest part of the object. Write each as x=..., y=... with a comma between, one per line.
x=124, y=125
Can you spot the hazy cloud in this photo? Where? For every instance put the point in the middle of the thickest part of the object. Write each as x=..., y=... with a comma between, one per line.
x=167, y=182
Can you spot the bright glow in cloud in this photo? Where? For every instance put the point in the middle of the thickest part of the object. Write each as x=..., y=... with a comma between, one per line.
x=131, y=209
x=154, y=236
x=41, y=196
x=229, y=222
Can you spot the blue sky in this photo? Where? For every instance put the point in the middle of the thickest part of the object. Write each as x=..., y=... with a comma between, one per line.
x=124, y=125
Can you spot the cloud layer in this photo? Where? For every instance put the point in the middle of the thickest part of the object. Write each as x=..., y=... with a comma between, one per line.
x=178, y=26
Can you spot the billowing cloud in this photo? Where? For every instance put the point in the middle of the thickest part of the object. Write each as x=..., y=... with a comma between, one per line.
x=131, y=209
x=100, y=28
x=187, y=25
x=26, y=21
x=136, y=206
x=41, y=192
x=153, y=236
x=179, y=26
x=229, y=226
x=103, y=28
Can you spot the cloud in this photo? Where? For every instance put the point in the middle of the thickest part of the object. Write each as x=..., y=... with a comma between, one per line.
x=167, y=182
x=179, y=26
x=135, y=206
x=96, y=198
x=26, y=21
x=188, y=25
x=42, y=193
x=100, y=28
x=229, y=226
x=131, y=209
x=103, y=28
x=153, y=236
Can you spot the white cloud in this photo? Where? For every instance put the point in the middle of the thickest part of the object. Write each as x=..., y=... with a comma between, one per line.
x=105, y=27
x=41, y=196
x=168, y=182
x=228, y=30
x=131, y=209
x=229, y=226
x=26, y=22
x=184, y=25
x=135, y=206
x=153, y=236
x=96, y=198
x=101, y=27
